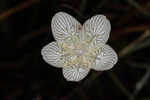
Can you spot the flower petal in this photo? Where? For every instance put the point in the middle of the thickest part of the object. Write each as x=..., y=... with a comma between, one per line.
x=98, y=26
x=75, y=74
x=105, y=59
x=64, y=25
x=51, y=54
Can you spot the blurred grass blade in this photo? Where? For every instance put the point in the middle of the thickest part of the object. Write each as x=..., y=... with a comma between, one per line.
x=141, y=65
x=139, y=7
x=83, y=6
x=139, y=85
x=142, y=45
x=131, y=47
x=148, y=98
x=120, y=85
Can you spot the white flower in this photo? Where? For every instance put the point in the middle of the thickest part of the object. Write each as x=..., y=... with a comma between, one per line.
x=78, y=48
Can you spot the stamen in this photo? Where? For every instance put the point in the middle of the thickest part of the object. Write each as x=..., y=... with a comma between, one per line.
x=79, y=27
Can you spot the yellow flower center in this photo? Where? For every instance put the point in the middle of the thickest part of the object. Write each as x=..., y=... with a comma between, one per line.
x=79, y=53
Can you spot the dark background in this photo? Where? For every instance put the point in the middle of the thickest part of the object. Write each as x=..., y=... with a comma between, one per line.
x=25, y=29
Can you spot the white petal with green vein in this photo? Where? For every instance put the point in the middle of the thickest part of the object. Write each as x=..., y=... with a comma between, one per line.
x=63, y=25
x=105, y=59
x=75, y=74
x=98, y=26
x=51, y=54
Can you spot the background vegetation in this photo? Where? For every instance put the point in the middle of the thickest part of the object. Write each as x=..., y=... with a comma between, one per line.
x=25, y=29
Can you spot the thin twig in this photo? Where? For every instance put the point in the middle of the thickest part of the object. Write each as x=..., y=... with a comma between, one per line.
x=128, y=30
x=16, y=64
x=24, y=39
x=135, y=64
x=126, y=17
x=18, y=8
x=125, y=50
x=139, y=7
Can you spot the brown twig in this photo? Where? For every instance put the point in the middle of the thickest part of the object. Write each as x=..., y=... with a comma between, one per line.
x=139, y=7
x=16, y=64
x=125, y=50
x=132, y=29
x=10, y=65
x=31, y=35
x=18, y=8
x=126, y=31
x=126, y=17
x=147, y=5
